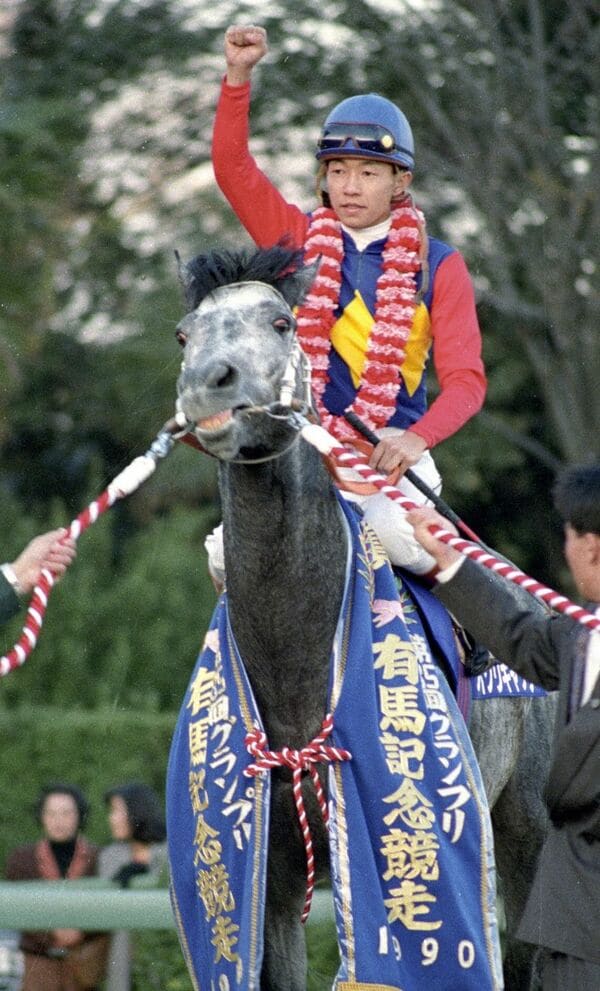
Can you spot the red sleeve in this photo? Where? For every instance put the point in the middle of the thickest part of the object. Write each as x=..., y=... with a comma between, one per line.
x=255, y=201
x=456, y=353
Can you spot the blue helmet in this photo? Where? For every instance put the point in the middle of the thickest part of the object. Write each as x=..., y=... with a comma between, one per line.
x=367, y=126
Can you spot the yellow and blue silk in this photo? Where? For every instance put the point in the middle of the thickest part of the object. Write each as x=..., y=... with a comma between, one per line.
x=350, y=333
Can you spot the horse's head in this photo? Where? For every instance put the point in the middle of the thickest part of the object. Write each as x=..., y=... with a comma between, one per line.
x=237, y=339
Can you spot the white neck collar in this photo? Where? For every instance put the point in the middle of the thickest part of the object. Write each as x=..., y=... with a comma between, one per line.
x=366, y=235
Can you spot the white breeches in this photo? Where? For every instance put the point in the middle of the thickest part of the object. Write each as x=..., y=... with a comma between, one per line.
x=388, y=518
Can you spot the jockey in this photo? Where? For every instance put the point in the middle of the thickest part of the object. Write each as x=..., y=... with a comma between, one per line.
x=385, y=296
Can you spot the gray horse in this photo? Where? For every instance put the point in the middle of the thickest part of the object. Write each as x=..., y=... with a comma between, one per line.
x=285, y=556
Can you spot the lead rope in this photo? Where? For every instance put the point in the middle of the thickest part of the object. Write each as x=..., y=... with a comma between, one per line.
x=326, y=444
x=124, y=484
x=317, y=752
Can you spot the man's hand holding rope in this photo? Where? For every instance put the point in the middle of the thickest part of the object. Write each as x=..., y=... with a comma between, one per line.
x=54, y=550
x=421, y=519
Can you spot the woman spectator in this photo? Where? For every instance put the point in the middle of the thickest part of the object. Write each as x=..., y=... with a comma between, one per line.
x=61, y=810
x=137, y=824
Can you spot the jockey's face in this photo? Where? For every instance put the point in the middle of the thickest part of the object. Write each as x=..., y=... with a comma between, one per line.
x=361, y=190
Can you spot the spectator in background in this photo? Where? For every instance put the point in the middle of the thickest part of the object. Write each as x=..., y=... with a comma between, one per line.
x=61, y=810
x=137, y=823
x=52, y=550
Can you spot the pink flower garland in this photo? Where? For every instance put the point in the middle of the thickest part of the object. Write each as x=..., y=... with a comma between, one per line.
x=395, y=303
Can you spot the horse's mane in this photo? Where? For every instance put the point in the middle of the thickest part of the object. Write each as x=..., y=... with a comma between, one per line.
x=205, y=273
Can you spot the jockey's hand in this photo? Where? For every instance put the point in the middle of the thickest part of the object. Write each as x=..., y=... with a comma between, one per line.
x=421, y=519
x=51, y=550
x=397, y=451
x=245, y=45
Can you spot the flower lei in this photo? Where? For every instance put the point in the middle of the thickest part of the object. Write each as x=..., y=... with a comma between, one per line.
x=395, y=303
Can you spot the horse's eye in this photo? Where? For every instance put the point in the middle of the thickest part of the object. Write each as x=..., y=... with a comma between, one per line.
x=282, y=324
x=181, y=337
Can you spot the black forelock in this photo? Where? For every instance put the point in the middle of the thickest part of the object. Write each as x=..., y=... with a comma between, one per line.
x=217, y=268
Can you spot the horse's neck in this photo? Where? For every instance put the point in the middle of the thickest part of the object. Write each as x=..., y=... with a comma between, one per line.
x=285, y=554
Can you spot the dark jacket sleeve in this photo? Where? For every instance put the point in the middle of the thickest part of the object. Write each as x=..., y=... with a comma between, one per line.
x=517, y=631
x=9, y=602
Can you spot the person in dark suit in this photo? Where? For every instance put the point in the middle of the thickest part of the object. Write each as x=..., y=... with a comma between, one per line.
x=562, y=915
x=52, y=550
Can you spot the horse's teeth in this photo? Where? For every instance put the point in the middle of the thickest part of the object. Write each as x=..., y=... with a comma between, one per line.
x=215, y=421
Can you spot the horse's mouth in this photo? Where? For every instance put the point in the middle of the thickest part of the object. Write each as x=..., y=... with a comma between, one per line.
x=213, y=424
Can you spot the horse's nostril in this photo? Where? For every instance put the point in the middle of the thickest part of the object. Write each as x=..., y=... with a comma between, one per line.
x=220, y=375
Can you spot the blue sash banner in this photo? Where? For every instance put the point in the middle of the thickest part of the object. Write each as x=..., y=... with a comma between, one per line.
x=412, y=856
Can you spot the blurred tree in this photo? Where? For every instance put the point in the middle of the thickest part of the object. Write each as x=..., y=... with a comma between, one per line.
x=86, y=323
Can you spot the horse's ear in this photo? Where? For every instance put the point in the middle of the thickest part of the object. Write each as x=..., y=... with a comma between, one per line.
x=294, y=287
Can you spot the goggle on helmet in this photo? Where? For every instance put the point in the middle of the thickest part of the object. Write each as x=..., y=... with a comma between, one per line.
x=368, y=126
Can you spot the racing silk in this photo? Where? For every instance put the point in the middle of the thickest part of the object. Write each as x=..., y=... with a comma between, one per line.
x=445, y=323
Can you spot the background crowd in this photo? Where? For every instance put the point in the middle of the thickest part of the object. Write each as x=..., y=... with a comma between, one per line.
x=69, y=959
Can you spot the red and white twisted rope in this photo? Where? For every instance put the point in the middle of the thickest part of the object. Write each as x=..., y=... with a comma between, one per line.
x=126, y=482
x=327, y=444
x=299, y=761
x=39, y=599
